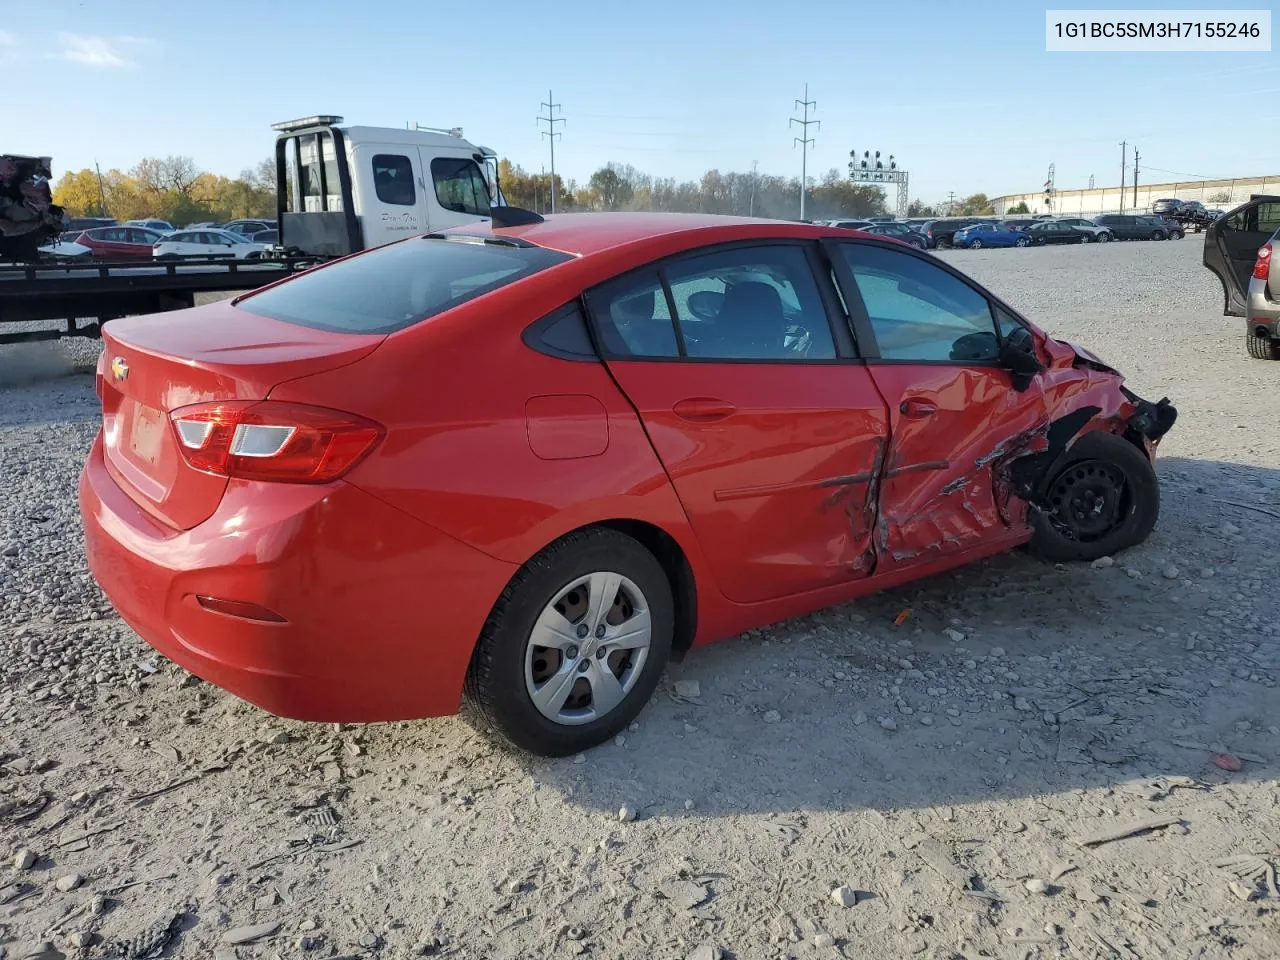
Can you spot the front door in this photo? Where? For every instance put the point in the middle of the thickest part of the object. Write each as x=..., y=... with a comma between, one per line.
x=457, y=191
x=771, y=442
x=956, y=421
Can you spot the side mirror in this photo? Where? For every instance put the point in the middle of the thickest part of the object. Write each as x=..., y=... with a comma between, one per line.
x=1017, y=355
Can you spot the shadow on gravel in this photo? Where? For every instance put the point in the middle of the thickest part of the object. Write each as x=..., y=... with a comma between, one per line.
x=1068, y=676
x=26, y=363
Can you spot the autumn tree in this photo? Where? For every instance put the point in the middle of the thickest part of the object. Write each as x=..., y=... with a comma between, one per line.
x=917, y=209
x=1019, y=207
x=976, y=205
x=610, y=189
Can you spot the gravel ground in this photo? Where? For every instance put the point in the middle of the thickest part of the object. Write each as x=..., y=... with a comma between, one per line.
x=838, y=786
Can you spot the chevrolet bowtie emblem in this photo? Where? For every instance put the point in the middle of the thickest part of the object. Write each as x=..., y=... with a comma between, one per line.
x=119, y=369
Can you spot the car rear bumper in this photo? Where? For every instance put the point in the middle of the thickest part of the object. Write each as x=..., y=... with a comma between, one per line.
x=1263, y=315
x=380, y=611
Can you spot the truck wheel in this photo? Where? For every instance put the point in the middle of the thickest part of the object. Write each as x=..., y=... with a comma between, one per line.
x=1104, y=498
x=575, y=645
x=1262, y=348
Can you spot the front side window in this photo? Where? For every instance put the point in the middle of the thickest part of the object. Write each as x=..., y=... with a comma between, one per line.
x=393, y=179
x=460, y=186
x=920, y=312
x=753, y=303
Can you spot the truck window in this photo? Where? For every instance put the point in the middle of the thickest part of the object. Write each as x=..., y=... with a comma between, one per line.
x=332, y=186
x=460, y=186
x=309, y=170
x=393, y=179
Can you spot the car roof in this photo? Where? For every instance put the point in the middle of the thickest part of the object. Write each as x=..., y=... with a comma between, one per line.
x=587, y=233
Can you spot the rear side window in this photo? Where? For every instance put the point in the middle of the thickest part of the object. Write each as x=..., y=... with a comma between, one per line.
x=460, y=186
x=396, y=286
x=393, y=179
x=634, y=318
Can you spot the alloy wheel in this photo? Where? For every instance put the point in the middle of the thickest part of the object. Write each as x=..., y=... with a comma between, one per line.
x=587, y=648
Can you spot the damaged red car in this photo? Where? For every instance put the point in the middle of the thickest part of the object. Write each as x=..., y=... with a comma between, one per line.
x=533, y=460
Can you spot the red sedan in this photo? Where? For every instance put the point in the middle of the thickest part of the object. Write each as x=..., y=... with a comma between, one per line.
x=133, y=242
x=534, y=462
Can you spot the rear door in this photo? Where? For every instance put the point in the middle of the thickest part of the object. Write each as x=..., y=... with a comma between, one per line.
x=1231, y=247
x=770, y=435
x=391, y=192
x=931, y=341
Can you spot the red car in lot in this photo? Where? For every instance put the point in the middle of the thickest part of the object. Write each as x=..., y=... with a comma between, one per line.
x=536, y=459
x=123, y=241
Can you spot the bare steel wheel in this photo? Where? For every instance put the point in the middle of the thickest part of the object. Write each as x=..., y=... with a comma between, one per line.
x=575, y=645
x=588, y=648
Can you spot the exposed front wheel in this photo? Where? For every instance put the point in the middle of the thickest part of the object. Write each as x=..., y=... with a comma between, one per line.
x=1103, y=498
x=575, y=645
x=1262, y=348
x=1085, y=238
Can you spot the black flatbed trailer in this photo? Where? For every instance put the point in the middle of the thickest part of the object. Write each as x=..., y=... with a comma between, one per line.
x=84, y=294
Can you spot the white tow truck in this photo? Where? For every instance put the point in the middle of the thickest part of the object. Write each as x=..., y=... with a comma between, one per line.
x=345, y=188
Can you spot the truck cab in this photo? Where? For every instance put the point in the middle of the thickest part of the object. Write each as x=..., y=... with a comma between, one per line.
x=344, y=188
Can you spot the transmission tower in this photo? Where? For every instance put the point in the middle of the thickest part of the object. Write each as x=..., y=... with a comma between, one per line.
x=551, y=133
x=805, y=141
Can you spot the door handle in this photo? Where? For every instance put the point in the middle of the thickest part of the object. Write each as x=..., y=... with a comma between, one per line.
x=703, y=409
x=916, y=407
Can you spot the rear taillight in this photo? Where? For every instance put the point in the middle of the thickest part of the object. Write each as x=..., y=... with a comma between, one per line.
x=272, y=440
x=1262, y=266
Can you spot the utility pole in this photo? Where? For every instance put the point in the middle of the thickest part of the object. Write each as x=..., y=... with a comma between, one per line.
x=550, y=133
x=804, y=140
x=951, y=201
x=1136, y=157
x=751, y=210
x=1123, y=167
x=102, y=197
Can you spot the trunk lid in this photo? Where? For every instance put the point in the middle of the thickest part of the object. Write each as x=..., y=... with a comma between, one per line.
x=154, y=364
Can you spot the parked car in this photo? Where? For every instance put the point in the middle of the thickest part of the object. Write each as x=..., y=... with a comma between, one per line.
x=882, y=219
x=1124, y=226
x=915, y=223
x=897, y=231
x=939, y=233
x=848, y=224
x=1215, y=213
x=1240, y=248
x=80, y=224
x=584, y=484
x=1094, y=231
x=1054, y=231
x=1167, y=205
x=267, y=237
x=1021, y=223
x=122, y=241
x=990, y=235
x=64, y=249
x=1173, y=229
x=206, y=243
x=160, y=226
x=247, y=228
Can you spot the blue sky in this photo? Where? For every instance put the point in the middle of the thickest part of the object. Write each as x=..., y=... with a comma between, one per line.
x=963, y=93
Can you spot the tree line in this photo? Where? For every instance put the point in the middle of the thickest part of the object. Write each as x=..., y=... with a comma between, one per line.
x=175, y=189
x=169, y=188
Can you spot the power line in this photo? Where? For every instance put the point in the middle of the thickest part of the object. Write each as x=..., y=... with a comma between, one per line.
x=550, y=133
x=804, y=140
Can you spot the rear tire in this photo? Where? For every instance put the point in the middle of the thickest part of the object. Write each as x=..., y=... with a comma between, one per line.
x=1085, y=238
x=975, y=244
x=507, y=665
x=1103, y=498
x=1262, y=348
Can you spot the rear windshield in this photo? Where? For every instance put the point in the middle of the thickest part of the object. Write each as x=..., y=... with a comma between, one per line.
x=396, y=286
